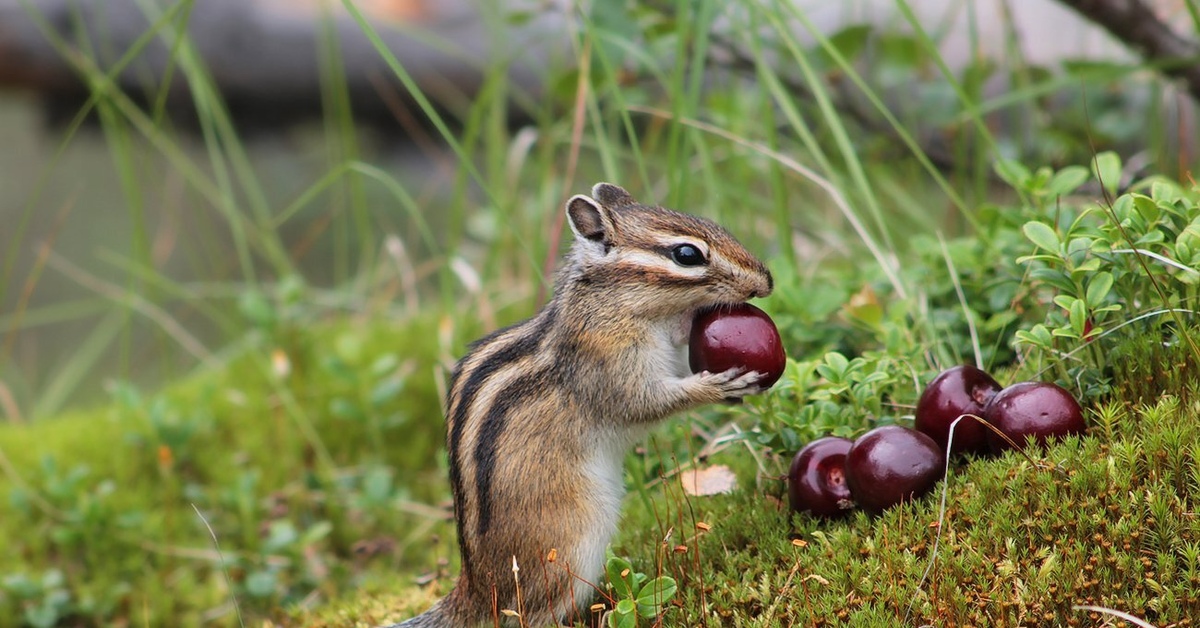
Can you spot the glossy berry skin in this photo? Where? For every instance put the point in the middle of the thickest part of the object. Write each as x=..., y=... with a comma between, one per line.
x=892, y=464
x=817, y=478
x=738, y=336
x=954, y=392
x=1039, y=409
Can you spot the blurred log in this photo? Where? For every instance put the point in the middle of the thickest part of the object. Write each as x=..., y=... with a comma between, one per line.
x=264, y=56
x=1136, y=25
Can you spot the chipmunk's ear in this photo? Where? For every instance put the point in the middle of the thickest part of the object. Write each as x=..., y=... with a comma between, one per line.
x=611, y=195
x=589, y=220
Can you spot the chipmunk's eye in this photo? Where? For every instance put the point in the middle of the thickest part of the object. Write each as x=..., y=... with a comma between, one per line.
x=687, y=255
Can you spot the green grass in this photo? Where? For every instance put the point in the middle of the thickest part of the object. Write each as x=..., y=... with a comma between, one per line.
x=286, y=368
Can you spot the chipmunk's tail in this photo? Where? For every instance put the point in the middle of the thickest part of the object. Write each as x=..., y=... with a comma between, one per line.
x=435, y=617
x=446, y=613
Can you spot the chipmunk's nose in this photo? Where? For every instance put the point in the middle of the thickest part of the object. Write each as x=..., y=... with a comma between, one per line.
x=765, y=288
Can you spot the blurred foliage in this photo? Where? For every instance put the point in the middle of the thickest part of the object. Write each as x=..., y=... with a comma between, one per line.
x=268, y=480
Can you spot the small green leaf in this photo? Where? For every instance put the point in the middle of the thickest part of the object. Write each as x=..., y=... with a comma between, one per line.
x=1065, y=301
x=899, y=50
x=620, y=576
x=833, y=368
x=253, y=305
x=848, y=42
x=260, y=584
x=386, y=390
x=1047, y=259
x=1146, y=207
x=1078, y=317
x=1165, y=191
x=1107, y=169
x=1154, y=237
x=1190, y=236
x=1081, y=244
x=1098, y=288
x=624, y=615
x=1013, y=172
x=1042, y=235
x=655, y=593
x=1065, y=332
x=1041, y=334
x=318, y=531
x=837, y=361
x=1024, y=337
x=1122, y=207
x=1067, y=180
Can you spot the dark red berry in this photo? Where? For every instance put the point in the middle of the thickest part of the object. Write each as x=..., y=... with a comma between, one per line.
x=1042, y=410
x=738, y=336
x=954, y=392
x=817, y=478
x=892, y=464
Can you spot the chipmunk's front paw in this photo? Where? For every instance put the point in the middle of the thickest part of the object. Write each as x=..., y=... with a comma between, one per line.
x=735, y=383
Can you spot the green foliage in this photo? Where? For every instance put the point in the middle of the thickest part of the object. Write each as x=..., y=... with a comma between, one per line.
x=1107, y=267
x=1057, y=285
x=284, y=459
x=828, y=395
x=637, y=598
x=1101, y=520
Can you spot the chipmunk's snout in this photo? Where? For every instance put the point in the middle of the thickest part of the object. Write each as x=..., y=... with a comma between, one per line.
x=764, y=287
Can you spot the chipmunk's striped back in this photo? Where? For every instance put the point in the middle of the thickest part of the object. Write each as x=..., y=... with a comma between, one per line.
x=540, y=414
x=500, y=371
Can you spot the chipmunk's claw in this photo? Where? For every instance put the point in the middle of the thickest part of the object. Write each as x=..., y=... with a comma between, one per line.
x=736, y=383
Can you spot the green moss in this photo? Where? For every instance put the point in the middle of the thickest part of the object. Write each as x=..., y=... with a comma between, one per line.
x=302, y=471
x=1105, y=520
x=323, y=484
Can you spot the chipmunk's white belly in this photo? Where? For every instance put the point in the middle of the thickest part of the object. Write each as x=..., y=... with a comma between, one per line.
x=605, y=469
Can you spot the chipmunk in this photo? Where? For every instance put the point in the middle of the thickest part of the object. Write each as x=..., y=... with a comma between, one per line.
x=541, y=414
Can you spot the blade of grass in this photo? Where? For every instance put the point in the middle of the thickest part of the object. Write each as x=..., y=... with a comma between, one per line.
x=347, y=194
x=54, y=313
x=833, y=124
x=968, y=314
x=102, y=86
x=237, y=609
x=69, y=131
x=848, y=70
x=415, y=92
x=398, y=191
x=885, y=262
x=134, y=302
x=74, y=370
x=468, y=168
x=31, y=280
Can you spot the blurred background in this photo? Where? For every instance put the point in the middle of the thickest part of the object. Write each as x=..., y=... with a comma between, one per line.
x=111, y=206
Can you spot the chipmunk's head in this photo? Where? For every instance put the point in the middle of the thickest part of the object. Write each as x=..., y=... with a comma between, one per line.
x=662, y=261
